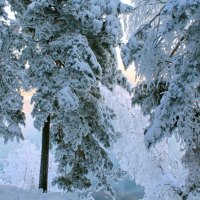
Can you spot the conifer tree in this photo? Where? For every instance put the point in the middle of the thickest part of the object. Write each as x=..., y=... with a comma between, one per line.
x=71, y=50
x=164, y=48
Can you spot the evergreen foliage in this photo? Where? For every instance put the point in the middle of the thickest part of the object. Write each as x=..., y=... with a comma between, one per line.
x=70, y=50
x=164, y=48
x=11, y=78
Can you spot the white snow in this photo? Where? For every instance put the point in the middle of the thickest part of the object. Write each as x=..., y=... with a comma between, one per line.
x=67, y=99
x=32, y=5
x=14, y=193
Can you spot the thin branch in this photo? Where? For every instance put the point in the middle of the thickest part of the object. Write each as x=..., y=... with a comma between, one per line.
x=147, y=24
x=177, y=46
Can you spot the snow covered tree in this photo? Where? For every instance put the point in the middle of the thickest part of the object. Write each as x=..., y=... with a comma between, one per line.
x=11, y=76
x=164, y=48
x=22, y=170
x=71, y=50
x=158, y=170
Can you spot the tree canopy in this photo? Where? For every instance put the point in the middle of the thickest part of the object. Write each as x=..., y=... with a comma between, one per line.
x=71, y=50
x=164, y=48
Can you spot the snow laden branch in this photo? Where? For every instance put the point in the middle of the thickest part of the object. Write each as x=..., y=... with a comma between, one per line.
x=70, y=51
x=12, y=78
x=165, y=54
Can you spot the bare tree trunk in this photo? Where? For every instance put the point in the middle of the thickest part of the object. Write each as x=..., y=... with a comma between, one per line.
x=44, y=164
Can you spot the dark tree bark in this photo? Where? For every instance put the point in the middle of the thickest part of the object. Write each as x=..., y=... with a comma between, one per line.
x=44, y=164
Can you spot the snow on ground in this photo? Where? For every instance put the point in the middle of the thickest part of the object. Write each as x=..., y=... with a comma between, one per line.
x=14, y=193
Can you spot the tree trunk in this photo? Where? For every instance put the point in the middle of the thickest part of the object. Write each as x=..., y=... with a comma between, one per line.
x=44, y=164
